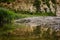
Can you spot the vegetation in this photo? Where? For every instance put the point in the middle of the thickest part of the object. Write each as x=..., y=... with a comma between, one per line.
x=48, y=4
x=37, y=5
x=55, y=6
x=6, y=18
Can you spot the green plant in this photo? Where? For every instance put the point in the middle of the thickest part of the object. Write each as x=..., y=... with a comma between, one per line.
x=6, y=18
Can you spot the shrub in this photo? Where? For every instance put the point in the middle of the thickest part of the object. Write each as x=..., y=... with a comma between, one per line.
x=6, y=17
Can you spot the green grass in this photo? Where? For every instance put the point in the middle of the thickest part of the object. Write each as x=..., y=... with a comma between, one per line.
x=23, y=15
x=18, y=16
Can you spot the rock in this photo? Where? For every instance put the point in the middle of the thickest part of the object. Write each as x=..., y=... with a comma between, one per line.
x=53, y=22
